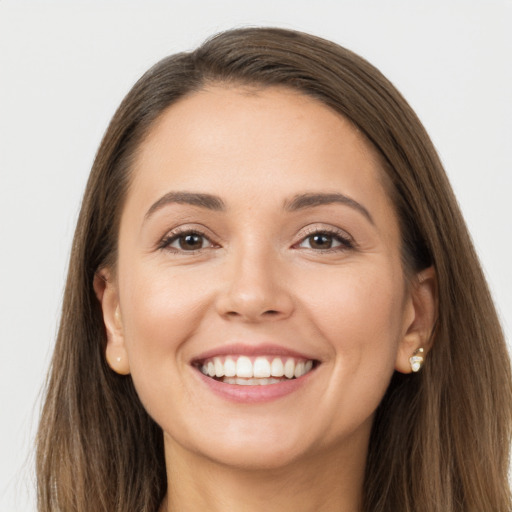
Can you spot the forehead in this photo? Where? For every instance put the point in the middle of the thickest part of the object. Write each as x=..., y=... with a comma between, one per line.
x=258, y=147
x=239, y=127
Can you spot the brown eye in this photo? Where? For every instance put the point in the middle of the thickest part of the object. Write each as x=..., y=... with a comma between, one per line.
x=186, y=242
x=325, y=240
x=320, y=241
x=190, y=242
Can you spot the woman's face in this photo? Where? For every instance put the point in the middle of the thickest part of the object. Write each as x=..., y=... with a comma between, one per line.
x=258, y=238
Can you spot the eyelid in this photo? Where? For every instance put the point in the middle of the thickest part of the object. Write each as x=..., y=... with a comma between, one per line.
x=347, y=241
x=174, y=233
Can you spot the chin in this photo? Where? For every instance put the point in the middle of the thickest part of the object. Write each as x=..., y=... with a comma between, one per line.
x=256, y=450
x=254, y=458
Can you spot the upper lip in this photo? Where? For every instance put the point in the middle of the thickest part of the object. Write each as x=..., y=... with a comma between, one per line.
x=264, y=349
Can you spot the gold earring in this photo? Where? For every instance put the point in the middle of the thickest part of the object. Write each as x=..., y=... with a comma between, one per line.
x=416, y=360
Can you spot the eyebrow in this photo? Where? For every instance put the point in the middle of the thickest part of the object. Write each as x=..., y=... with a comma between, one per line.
x=208, y=201
x=310, y=200
x=298, y=202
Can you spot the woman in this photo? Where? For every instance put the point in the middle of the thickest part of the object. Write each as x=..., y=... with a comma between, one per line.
x=273, y=301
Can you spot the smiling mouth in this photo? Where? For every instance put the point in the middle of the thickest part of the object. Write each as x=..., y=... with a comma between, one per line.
x=255, y=371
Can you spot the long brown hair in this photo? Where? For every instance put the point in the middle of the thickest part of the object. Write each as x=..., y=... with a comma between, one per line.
x=440, y=440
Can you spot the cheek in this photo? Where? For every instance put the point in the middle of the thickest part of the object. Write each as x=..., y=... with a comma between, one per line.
x=360, y=316
x=356, y=310
x=357, y=307
x=161, y=310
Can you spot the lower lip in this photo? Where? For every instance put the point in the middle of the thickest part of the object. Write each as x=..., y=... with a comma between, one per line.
x=254, y=394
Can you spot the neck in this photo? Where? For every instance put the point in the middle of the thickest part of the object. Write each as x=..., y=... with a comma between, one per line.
x=330, y=481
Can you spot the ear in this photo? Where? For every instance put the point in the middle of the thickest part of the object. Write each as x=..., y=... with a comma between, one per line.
x=419, y=319
x=107, y=293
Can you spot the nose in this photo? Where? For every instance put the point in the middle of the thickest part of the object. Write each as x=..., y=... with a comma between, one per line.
x=255, y=288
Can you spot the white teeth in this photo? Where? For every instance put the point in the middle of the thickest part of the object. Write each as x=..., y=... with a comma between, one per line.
x=257, y=371
x=229, y=367
x=261, y=368
x=289, y=368
x=299, y=370
x=277, y=368
x=250, y=382
x=219, y=367
x=244, y=367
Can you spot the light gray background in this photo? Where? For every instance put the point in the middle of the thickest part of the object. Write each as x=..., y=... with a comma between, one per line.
x=65, y=66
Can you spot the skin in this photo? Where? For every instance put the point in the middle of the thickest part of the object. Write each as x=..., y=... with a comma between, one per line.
x=259, y=278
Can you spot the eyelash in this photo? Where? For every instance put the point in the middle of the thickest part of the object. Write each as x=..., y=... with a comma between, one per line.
x=181, y=233
x=345, y=242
